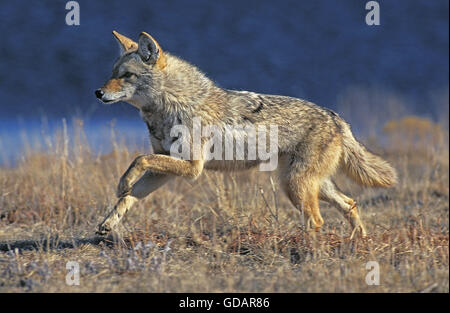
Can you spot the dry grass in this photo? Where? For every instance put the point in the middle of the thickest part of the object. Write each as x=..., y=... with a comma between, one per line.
x=224, y=232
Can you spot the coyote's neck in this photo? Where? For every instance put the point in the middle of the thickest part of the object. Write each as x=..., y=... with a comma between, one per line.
x=180, y=90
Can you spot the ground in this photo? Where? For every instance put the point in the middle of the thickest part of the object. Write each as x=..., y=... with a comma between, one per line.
x=224, y=232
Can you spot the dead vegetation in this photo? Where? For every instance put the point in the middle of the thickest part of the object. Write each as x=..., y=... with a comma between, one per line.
x=224, y=232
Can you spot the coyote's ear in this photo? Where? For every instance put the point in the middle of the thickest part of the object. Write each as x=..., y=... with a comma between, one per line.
x=125, y=43
x=150, y=51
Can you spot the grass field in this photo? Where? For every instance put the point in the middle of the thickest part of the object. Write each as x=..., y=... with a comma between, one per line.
x=224, y=232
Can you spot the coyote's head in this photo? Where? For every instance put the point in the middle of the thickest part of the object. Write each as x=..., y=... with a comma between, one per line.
x=136, y=73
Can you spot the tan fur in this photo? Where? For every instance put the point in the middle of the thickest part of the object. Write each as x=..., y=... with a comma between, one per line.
x=127, y=43
x=113, y=85
x=313, y=142
x=363, y=166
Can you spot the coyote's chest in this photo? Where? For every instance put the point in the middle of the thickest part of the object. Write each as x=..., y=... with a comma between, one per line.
x=161, y=129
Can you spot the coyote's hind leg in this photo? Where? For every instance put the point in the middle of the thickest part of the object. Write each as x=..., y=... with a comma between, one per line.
x=302, y=188
x=302, y=172
x=346, y=205
x=305, y=197
x=148, y=183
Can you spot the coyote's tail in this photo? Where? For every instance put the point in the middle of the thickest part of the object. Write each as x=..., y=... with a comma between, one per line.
x=363, y=166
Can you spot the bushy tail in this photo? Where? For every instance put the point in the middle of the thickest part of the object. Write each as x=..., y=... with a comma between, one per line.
x=363, y=166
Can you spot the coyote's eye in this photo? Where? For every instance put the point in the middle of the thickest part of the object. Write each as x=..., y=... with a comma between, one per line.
x=127, y=75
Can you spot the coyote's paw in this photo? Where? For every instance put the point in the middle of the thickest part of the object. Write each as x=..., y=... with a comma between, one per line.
x=103, y=229
x=356, y=223
x=124, y=188
x=360, y=230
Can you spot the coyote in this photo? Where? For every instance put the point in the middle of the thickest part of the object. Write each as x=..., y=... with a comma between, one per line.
x=313, y=142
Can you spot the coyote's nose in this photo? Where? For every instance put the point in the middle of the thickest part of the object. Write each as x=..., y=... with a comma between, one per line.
x=99, y=93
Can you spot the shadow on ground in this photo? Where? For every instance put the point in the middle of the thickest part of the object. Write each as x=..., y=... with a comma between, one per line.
x=55, y=243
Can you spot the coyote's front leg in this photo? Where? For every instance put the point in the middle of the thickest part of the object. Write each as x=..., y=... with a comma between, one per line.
x=148, y=183
x=157, y=163
x=159, y=169
x=127, y=180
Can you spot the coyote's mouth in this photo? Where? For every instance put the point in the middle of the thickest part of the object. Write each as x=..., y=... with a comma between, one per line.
x=112, y=100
